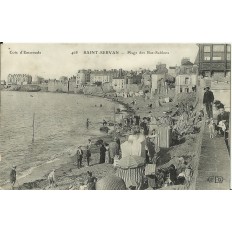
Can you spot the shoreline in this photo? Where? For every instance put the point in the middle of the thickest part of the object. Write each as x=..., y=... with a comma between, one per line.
x=67, y=168
x=39, y=173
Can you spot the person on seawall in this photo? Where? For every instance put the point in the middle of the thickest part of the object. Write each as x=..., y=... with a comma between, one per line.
x=208, y=100
x=223, y=124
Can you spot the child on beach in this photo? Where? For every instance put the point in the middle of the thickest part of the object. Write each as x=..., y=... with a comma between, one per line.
x=51, y=179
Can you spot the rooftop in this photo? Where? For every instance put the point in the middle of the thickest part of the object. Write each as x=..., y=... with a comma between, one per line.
x=187, y=63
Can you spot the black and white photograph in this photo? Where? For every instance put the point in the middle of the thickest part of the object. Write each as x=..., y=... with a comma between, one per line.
x=115, y=116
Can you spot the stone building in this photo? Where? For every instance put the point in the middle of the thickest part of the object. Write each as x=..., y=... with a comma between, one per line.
x=119, y=83
x=185, y=83
x=38, y=80
x=19, y=79
x=83, y=77
x=104, y=76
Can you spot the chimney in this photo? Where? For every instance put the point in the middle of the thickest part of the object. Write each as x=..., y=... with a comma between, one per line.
x=120, y=72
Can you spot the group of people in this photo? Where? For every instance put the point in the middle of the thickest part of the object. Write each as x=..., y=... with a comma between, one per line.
x=179, y=174
x=220, y=126
x=108, y=152
x=80, y=154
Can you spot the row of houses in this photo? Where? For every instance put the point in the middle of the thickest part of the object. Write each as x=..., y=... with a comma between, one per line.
x=156, y=81
x=19, y=79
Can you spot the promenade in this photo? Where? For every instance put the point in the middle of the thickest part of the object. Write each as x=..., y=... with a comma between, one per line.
x=214, y=169
x=214, y=164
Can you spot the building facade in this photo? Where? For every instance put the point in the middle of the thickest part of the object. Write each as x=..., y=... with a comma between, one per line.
x=185, y=83
x=38, y=80
x=119, y=83
x=82, y=77
x=214, y=59
x=103, y=76
x=19, y=79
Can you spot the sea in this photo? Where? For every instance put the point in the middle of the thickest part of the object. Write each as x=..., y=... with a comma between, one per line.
x=59, y=127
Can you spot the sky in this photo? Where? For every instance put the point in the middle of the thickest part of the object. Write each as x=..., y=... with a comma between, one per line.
x=56, y=60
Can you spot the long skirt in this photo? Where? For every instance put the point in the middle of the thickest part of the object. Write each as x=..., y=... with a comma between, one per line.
x=102, y=158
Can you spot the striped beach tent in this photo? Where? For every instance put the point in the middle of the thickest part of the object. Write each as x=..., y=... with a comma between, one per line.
x=130, y=169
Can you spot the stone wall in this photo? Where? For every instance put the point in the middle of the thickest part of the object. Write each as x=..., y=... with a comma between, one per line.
x=57, y=86
x=60, y=86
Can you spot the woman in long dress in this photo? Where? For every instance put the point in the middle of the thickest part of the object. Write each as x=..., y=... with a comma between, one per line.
x=102, y=154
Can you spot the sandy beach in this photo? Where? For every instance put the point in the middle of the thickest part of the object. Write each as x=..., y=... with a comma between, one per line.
x=68, y=176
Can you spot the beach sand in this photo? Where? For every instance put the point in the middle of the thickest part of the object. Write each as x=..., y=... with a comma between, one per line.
x=68, y=176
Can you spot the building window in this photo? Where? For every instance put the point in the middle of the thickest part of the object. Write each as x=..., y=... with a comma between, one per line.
x=228, y=48
x=218, y=52
x=228, y=56
x=187, y=80
x=218, y=55
x=207, y=48
x=206, y=56
x=218, y=48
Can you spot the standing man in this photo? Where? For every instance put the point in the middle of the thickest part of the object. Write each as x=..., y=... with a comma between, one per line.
x=13, y=176
x=88, y=152
x=208, y=102
x=79, y=157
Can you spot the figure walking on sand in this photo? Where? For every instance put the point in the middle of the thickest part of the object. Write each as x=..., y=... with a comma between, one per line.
x=87, y=123
x=79, y=155
x=13, y=176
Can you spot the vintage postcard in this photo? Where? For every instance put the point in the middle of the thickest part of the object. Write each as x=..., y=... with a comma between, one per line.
x=115, y=116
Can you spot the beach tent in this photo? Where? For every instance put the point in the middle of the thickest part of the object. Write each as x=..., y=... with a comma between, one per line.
x=111, y=182
x=131, y=162
x=130, y=169
x=165, y=136
x=131, y=147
